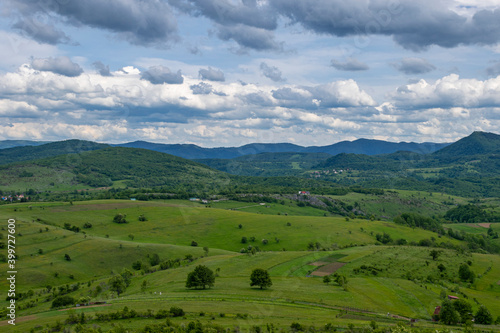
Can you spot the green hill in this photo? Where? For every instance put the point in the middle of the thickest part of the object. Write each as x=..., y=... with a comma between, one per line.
x=402, y=280
x=478, y=143
x=134, y=167
x=27, y=153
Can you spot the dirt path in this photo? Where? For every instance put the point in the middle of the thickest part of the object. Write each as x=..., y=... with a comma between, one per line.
x=328, y=269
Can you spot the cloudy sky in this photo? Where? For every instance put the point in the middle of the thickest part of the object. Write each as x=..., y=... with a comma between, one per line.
x=232, y=72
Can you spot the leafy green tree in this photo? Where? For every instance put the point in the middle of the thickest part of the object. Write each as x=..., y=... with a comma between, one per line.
x=116, y=283
x=127, y=276
x=327, y=279
x=201, y=277
x=483, y=316
x=67, y=257
x=260, y=277
x=448, y=314
x=137, y=265
x=464, y=309
x=466, y=274
x=120, y=218
x=341, y=280
x=434, y=254
x=384, y=238
x=154, y=259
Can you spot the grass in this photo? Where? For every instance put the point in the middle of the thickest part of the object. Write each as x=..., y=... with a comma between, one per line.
x=408, y=282
x=180, y=225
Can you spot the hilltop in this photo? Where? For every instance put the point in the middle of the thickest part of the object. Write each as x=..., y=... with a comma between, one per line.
x=102, y=167
x=360, y=146
x=34, y=152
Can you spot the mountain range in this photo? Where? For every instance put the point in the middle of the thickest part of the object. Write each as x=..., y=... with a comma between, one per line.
x=470, y=166
x=191, y=151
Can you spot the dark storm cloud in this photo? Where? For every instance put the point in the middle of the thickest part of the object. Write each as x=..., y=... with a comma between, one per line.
x=250, y=37
x=287, y=94
x=61, y=65
x=271, y=72
x=146, y=22
x=350, y=64
x=212, y=74
x=41, y=32
x=412, y=66
x=415, y=25
x=259, y=99
x=102, y=69
x=160, y=74
x=228, y=13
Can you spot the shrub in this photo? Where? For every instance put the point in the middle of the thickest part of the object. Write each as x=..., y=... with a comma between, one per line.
x=120, y=218
x=63, y=301
x=177, y=311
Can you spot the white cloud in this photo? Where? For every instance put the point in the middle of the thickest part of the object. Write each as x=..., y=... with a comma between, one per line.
x=450, y=91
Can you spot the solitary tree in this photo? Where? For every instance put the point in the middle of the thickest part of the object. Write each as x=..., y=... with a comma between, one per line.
x=201, y=277
x=67, y=257
x=483, y=316
x=327, y=279
x=466, y=274
x=341, y=280
x=260, y=277
x=116, y=283
x=434, y=254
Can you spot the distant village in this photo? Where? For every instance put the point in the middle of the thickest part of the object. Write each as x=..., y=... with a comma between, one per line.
x=16, y=197
x=333, y=172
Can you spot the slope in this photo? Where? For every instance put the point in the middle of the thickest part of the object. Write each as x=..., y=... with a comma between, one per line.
x=26, y=153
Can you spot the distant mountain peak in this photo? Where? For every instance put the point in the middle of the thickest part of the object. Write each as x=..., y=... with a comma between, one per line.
x=476, y=143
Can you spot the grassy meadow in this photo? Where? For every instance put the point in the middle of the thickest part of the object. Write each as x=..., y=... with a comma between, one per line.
x=385, y=283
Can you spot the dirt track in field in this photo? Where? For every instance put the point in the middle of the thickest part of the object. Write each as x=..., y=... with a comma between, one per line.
x=328, y=269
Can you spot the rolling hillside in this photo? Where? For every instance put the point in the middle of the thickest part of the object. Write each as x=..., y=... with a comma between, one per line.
x=102, y=167
x=157, y=254
x=34, y=152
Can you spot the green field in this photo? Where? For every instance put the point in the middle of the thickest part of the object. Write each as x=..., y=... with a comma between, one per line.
x=407, y=283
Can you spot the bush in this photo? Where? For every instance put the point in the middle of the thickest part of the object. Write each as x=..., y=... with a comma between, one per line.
x=194, y=243
x=63, y=301
x=137, y=265
x=176, y=311
x=120, y=218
